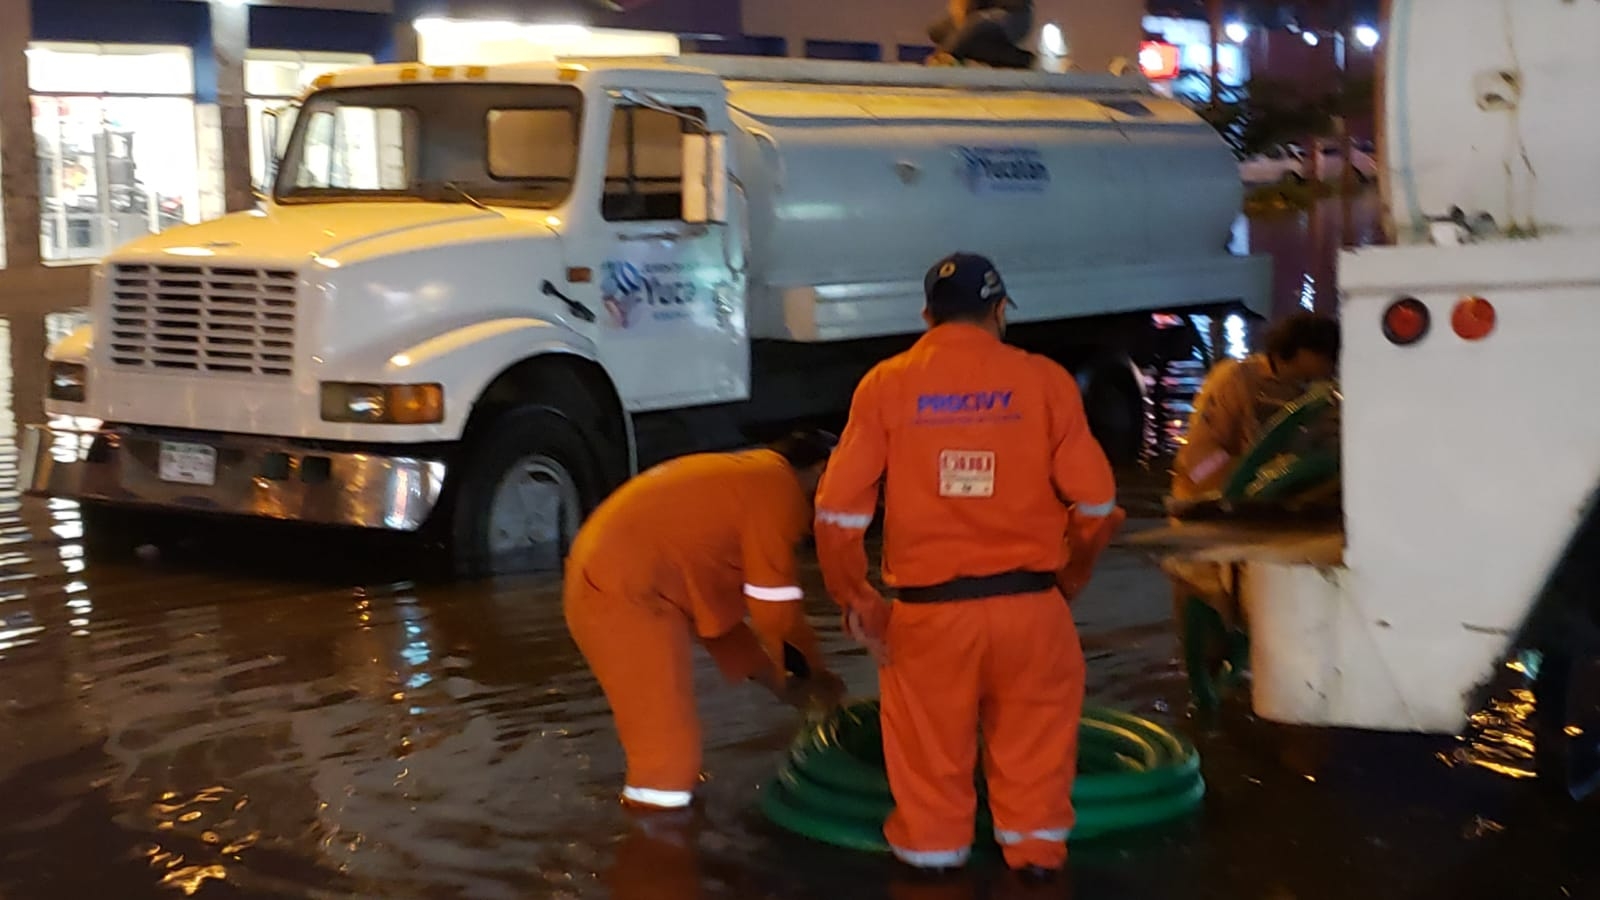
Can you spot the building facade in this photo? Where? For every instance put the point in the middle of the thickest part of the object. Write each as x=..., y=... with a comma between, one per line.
x=119, y=118
x=1092, y=35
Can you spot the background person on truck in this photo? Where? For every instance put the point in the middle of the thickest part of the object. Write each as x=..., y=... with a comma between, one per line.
x=685, y=552
x=983, y=447
x=984, y=31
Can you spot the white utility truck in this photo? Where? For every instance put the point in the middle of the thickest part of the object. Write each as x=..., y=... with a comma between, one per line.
x=478, y=298
x=1471, y=438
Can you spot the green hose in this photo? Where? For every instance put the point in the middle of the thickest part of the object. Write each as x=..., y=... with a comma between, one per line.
x=1205, y=633
x=834, y=788
x=1255, y=473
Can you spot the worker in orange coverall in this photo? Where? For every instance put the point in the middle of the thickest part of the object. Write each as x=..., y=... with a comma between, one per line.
x=998, y=499
x=683, y=553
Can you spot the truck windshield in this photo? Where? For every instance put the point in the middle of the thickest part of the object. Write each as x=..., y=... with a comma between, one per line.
x=452, y=143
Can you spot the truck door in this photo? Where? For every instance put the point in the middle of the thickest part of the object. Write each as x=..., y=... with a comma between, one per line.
x=671, y=291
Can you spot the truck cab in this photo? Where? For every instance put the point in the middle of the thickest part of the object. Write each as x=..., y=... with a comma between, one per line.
x=478, y=298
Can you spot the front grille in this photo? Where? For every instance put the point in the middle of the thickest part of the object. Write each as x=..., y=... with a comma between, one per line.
x=219, y=319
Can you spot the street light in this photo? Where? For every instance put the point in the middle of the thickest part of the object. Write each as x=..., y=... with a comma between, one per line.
x=1310, y=38
x=1238, y=32
x=1052, y=41
x=1367, y=36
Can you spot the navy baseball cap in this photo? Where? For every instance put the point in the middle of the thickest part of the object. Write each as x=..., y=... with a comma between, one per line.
x=964, y=281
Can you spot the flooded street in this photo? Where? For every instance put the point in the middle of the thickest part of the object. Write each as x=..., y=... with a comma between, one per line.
x=270, y=713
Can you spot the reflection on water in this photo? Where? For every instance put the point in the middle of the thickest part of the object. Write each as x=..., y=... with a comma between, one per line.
x=1500, y=736
x=1304, y=246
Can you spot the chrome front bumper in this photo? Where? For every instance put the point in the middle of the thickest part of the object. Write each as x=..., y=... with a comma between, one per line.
x=259, y=477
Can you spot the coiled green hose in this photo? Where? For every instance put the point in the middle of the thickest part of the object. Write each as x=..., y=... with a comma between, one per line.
x=1132, y=773
x=1268, y=472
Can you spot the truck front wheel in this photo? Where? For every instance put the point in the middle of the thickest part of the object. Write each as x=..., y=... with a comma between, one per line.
x=527, y=483
x=114, y=533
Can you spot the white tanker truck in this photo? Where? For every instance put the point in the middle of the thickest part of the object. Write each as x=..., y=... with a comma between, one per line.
x=1470, y=435
x=480, y=297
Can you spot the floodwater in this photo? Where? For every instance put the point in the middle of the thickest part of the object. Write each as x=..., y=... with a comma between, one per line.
x=282, y=714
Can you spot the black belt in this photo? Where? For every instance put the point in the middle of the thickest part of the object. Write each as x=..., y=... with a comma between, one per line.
x=1004, y=584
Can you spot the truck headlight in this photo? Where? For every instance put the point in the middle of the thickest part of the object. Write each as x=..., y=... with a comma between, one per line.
x=69, y=382
x=382, y=404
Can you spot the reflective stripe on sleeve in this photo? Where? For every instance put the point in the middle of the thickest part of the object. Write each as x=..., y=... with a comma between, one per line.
x=1097, y=510
x=845, y=520
x=933, y=859
x=774, y=595
x=658, y=799
x=1209, y=466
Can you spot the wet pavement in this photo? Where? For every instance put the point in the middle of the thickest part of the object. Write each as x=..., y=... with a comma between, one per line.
x=288, y=714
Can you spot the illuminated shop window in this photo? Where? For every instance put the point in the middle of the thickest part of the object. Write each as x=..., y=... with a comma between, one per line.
x=115, y=128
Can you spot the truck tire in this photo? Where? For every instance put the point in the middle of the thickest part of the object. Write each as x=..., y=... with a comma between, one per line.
x=528, y=480
x=115, y=533
x=1114, y=406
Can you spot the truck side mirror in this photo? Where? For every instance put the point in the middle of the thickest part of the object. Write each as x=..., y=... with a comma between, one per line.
x=705, y=179
x=269, y=148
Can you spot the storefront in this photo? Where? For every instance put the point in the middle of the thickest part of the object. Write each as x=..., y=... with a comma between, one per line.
x=142, y=114
x=1176, y=57
x=114, y=133
x=138, y=115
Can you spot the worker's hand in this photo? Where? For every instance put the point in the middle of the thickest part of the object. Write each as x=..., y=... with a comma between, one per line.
x=818, y=695
x=869, y=626
x=1085, y=545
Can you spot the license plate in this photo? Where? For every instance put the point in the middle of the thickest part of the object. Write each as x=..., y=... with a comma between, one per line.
x=188, y=463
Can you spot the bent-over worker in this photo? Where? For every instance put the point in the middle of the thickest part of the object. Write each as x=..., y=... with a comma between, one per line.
x=1239, y=397
x=1237, y=400
x=686, y=552
x=991, y=476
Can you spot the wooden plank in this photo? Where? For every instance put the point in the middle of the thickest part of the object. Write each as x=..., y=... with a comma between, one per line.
x=1239, y=542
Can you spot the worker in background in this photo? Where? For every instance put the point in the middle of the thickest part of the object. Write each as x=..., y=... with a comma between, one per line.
x=993, y=484
x=1239, y=397
x=687, y=552
x=1237, y=400
x=989, y=32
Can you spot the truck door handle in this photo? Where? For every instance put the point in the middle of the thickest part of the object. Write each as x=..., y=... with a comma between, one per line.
x=573, y=306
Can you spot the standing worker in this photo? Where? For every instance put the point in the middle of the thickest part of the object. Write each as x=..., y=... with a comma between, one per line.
x=685, y=552
x=992, y=480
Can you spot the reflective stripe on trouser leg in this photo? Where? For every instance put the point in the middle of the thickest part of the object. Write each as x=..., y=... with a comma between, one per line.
x=933, y=859
x=658, y=799
x=930, y=730
x=1013, y=838
x=641, y=651
x=1033, y=682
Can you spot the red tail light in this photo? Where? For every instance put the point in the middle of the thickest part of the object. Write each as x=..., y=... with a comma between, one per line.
x=1473, y=318
x=1406, y=321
